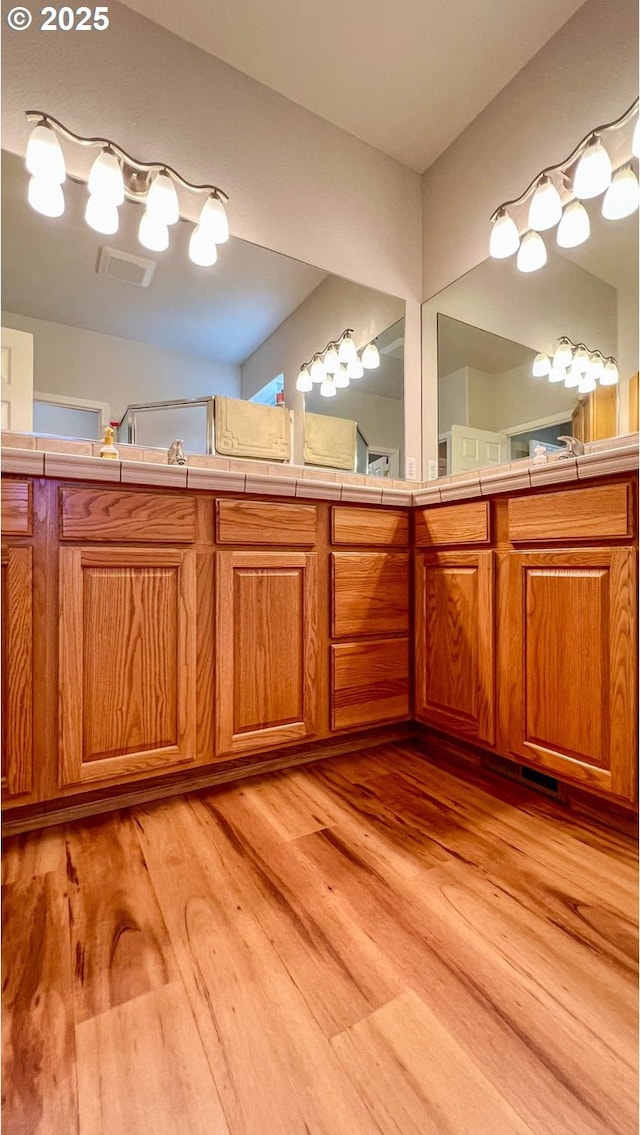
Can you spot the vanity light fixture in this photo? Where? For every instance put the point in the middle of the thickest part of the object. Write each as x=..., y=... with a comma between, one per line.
x=115, y=177
x=541, y=366
x=554, y=197
x=336, y=365
x=576, y=365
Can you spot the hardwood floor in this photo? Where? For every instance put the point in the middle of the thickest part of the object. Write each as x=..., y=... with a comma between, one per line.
x=368, y=944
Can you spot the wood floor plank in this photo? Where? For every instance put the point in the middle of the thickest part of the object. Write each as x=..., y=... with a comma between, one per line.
x=142, y=1068
x=416, y=1079
x=25, y=856
x=38, y=1044
x=120, y=946
x=274, y=1069
x=287, y=805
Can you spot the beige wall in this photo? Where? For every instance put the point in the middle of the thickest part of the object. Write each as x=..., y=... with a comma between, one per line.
x=297, y=184
x=87, y=364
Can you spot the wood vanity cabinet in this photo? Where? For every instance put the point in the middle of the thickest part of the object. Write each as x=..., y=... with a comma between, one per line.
x=17, y=670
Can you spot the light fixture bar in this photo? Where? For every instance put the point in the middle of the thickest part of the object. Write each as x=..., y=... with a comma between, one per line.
x=331, y=343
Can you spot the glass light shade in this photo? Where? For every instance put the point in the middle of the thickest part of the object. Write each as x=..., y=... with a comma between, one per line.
x=596, y=366
x=541, y=366
x=303, y=381
x=622, y=196
x=44, y=158
x=153, y=234
x=331, y=361
x=557, y=374
x=202, y=250
x=575, y=227
x=341, y=378
x=505, y=237
x=609, y=374
x=46, y=197
x=214, y=218
x=162, y=200
x=532, y=253
x=564, y=355
x=545, y=209
x=101, y=215
x=317, y=370
x=328, y=388
x=572, y=379
x=593, y=171
x=347, y=351
x=355, y=369
x=635, y=144
x=370, y=357
x=105, y=179
x=581, y=360
x=586, y=385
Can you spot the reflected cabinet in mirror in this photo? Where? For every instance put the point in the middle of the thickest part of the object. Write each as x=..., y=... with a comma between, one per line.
x=102, y=330
x=489, y=343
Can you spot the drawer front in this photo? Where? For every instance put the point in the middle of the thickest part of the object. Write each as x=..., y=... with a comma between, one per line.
x=369, y=682
x=127, y=517
x=17, y=508
x=370, y=593
x=467, y=523
x=360, y=526
x=596, y=513
x=260, y=522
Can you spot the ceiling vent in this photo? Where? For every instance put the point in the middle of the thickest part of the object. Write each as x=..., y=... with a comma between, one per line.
x=125, y=267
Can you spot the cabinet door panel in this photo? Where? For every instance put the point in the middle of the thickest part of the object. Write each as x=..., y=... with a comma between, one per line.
x=370, y=593
x=266, y=649
x=369, y=682
x=17, y=670
x=572, y=659
x=127, y=662
x=455, y=638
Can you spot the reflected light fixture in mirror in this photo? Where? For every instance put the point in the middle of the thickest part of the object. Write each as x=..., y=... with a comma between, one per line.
x=115, y=176
x=555, y=195
x=577, y=366
x=336, y=365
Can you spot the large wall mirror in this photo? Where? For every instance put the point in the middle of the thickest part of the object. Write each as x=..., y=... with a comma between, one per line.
x=481, y=336
x=115, y=325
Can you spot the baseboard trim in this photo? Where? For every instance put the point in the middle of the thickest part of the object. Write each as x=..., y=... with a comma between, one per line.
x=63, y=811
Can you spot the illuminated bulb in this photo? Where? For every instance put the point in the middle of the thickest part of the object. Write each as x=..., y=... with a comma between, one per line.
x=586, y=385
x=596, y=366
x=532, y=253
x=46, y=197
x=573, y=378
x=355, y=368
x=545, y=209
x=635, y=144
x=347, y=352
x=331, y=361
x=593, y=171
x=328, y=388
x=370, y=357
x=505, y=238
x=153, y=234
x=44, y=157
x=341, y=378
x=622, y=196
x=564, y=355
x=214, y=218
x=202, y=250
x=557, y=374
x=581, y=360
x=105, y=179
x=610, y=374
x=162, y=200
x=303, y=381
x=574, y=228
x=101, y=216
x=317, y=370
x=541, y=366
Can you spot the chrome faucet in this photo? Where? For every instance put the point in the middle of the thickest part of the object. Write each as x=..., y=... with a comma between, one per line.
x=175, y=453
x=575, y=448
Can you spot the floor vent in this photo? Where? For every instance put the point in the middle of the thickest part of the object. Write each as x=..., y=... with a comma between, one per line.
x=539, y=781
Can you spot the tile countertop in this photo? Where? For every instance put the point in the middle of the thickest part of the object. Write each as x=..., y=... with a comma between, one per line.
x=78, y=460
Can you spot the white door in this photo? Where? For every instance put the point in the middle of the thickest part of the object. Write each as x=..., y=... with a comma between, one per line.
x=17, y=380
x=475, y=449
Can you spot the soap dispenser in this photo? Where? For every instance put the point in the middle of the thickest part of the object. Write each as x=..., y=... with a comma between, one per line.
x=108, y=448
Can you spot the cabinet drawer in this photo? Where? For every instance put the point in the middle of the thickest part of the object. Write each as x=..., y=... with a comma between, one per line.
x=367, y=526
x=259, y=522
x=17, y=508
x=599, y=512
x=370, y=593
x=126, y=517
x=454, y=524
x=369, y=682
